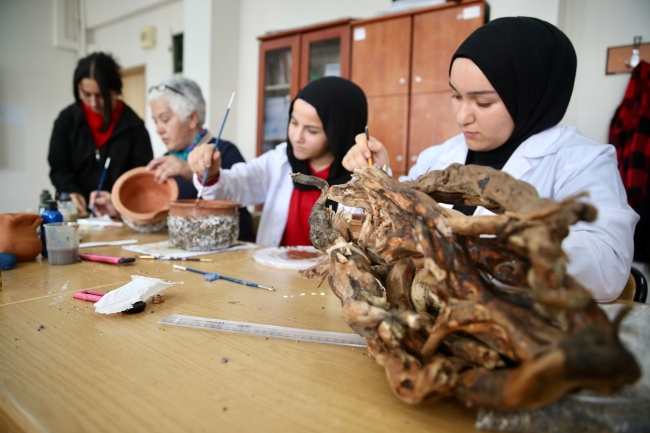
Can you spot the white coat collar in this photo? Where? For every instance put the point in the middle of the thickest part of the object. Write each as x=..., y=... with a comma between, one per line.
x=537, y=146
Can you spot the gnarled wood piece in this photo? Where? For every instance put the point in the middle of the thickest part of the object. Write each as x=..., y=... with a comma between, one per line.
x=452, y=327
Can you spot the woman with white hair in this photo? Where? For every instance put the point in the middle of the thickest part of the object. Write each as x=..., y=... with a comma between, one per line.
x=178, y=109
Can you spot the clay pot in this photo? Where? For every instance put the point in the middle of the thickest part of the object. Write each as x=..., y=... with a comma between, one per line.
x=206, y=226
x=18, y=235
x=142, y=201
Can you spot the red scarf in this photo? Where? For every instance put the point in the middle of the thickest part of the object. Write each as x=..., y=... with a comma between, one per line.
x=297, y=229
x=95, y=122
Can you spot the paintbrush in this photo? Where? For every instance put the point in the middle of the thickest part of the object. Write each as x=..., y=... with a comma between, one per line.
x=191, y=259
x=368, y=140
x=211, y=276
x=101, y=183
x=216, y=143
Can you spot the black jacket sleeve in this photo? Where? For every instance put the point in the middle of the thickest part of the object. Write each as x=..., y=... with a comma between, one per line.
x=142, y=151
x=59, y=155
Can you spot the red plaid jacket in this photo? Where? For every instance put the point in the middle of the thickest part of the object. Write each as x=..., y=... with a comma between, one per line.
x=630, y=133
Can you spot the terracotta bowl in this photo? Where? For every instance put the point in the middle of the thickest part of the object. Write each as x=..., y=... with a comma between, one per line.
x=18, y=235
x=206, y=226
x=143, y=202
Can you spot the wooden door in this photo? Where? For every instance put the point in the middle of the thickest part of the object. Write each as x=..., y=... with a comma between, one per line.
x=325, y=52
x=381, y=56
x=431, y=122
x=436, y=37
x=133, y=89
x=279, y=69
x=388, y=122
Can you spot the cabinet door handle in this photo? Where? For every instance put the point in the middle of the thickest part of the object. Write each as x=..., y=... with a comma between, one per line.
x=402, y=81
x=418, y=79
x=399, y=158
x=414, y=158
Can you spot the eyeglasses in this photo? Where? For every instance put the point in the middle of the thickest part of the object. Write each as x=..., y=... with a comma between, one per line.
x=162, y=87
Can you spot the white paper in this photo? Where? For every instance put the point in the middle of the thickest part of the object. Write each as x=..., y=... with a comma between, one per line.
x=333, y=70
x=359, y=33
x=98, y=222
x=139, y=289
x=471, y=12
x=166, y=249
x=104, y=244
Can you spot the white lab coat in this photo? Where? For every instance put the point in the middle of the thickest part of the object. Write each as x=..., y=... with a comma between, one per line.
x=561, y=162
x=264, y=180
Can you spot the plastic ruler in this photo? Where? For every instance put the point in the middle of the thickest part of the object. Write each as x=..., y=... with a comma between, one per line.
x=298, y=334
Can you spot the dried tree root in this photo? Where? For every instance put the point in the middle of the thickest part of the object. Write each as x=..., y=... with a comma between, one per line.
x=492, y=321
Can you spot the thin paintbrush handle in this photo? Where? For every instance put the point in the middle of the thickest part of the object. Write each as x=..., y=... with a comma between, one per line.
x=216, y=143
x=101, y=182
x=217, y=276
x=368, y=141
x=234, y=280
x=185, y=268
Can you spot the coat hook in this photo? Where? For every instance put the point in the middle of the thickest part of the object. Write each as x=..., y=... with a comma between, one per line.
x=635, y=58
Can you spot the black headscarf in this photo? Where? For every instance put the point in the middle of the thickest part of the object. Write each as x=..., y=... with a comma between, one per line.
x=532, y=66
x=343, y=109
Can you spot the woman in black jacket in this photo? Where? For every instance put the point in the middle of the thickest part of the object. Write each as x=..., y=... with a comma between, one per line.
x=96, y=127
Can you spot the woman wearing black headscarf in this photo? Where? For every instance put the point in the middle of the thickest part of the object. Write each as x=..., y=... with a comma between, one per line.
x=512, y=80
x=324, y=119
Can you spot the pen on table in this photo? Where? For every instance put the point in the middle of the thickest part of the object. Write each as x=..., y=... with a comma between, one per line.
x=211, y=276
x=101, y=182
x=368, y=141
x=216, y=143
x=191, y=259
x=106, y=259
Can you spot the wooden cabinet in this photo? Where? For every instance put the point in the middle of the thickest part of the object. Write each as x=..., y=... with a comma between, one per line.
x=288, y=61
x=401, y=62
x=278, y=83
x=381, y=62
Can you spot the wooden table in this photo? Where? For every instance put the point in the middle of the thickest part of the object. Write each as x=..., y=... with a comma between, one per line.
x=86, y=372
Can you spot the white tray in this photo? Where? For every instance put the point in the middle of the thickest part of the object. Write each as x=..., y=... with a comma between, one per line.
x=301, y=257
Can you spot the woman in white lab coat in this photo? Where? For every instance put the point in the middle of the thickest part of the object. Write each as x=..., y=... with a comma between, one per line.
x=512, y=80
x=325, y=117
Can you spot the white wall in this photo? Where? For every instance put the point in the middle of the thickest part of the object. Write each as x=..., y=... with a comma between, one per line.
x=102, y=12
x=546, y=10
x=121, y=37
x=592, y=26
x=224, y=73
x=36, y=77
x=197, y=43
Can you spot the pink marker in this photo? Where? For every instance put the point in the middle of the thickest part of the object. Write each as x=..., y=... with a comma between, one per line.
x=88, y=295
x=107, y=259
